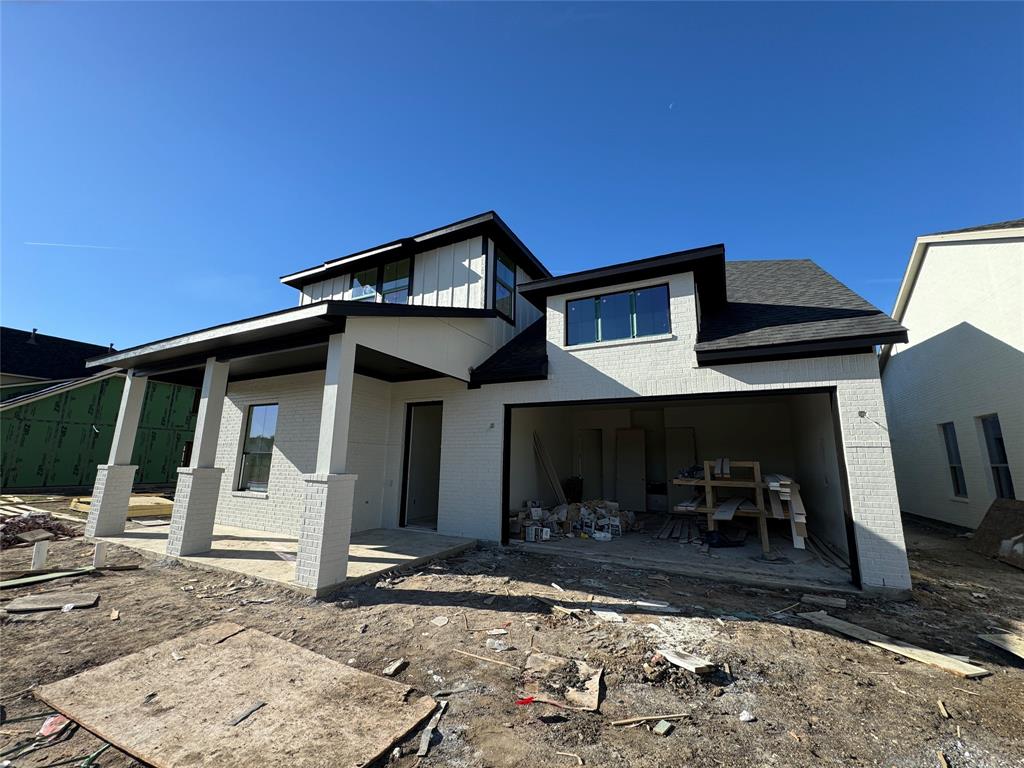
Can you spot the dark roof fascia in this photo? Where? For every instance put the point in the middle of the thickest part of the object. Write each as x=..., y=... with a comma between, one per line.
x=476, y=381
x=707, y=264
x=486, y=224
x=818, y=348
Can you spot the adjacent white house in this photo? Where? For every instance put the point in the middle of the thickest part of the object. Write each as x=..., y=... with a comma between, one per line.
x=954, y=390
x=406, y=387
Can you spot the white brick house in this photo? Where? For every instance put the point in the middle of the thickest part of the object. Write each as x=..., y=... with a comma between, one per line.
x=954, y=390
x=407, y=385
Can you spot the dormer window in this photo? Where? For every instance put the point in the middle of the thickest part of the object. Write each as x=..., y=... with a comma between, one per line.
x=389, y=283
x=614, y=316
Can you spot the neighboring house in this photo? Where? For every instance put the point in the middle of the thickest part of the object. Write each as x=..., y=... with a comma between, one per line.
x=954, y=391
x=406, y=387
x=57, y=417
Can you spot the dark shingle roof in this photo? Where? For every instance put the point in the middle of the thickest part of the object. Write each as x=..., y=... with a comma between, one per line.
x=773, y=303
x=44, y=357
x=525, y=358
x=1011, y=224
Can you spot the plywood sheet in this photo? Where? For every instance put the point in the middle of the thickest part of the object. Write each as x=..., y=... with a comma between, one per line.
x=173, y=704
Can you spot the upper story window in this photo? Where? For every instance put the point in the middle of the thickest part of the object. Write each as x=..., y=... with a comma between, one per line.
x=622, y=315
x=956, y=467
x=504, y=286
x=997, y=458
x=389, y=283
x=258, y=448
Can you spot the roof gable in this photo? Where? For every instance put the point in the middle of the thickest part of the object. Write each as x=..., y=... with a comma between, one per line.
x=36, y=355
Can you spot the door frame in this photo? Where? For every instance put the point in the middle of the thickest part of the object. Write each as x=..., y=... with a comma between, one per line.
x=406, y=454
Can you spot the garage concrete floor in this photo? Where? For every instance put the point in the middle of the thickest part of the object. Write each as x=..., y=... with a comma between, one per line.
x=745, y=565
x=271, y=556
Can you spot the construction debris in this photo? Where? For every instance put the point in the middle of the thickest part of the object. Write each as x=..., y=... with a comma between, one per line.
x=428, y=732
x=828, y=602
x=663, y=728
x=16, y=526
x=394, y=667
x=1009, y=643
x=687, y=661
x=893, y=645
x=561, y=681
x=53, y=601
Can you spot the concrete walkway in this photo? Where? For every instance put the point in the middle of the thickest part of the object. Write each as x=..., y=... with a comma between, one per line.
x=271, y=556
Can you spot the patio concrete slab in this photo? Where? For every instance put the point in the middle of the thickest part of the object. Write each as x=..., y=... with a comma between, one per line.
x=270, y=556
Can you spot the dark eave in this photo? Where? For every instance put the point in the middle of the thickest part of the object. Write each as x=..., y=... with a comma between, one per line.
x=524, y=358
x=487, y=224
x=804, y=349
x=707, y=264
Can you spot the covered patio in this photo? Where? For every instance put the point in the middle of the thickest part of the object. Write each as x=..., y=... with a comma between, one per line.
x=318, y=539
x=271, y=557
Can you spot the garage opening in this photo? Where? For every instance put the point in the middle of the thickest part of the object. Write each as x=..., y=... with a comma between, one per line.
x=748, y=487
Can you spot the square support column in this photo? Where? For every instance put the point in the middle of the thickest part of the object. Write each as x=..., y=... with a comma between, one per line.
x=195, y=497
x=325, y=530
x=113, y=488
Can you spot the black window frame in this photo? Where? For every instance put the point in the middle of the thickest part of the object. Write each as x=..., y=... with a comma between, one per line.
x=1002, y=482
x=378, y=287
x=596, y=299
x=240, y=483
x=500, y=255
x=956, y=468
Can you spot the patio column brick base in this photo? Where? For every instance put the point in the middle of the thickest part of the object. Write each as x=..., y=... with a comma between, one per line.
x=110, y=495
x=325, y=531
x=195, y=507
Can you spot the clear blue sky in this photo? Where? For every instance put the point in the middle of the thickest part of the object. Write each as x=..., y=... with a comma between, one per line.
x=210, y=148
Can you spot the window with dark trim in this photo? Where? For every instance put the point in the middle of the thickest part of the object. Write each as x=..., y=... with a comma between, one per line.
x=504, y=286
x=258, y=447
x=389, y=283
x=622, y=315
x=997, y=458
x=956, y=467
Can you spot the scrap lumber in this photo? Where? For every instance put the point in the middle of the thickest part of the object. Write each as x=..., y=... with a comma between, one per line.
x=649, y=718
x=894, y=645
x=41, y=577
x=687, y=661
x=52, y=601
x=549, y=468
x=150, y=706
x=1009, y=643
x=727, y=508
x=428, y=732
x=831, y=602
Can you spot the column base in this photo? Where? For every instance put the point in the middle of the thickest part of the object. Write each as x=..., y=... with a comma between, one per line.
x=325, y=531
x=110, y=496
x=195, y=509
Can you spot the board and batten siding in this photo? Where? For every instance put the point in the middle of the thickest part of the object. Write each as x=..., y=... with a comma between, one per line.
x=453, y=275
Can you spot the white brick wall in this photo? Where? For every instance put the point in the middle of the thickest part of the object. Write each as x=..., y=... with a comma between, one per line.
x=470, y=492
x=964, y=359
x=195, y=506
x=471, y=462
x=110, y=496
x=299, y=398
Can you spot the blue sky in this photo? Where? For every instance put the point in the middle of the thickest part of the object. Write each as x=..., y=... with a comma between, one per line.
x=203, y=150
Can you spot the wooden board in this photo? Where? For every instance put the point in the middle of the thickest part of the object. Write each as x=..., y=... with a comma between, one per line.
x=893, y=645
x=1009, y=643
x=52, y=601
x=687, y=661
x=316, y=711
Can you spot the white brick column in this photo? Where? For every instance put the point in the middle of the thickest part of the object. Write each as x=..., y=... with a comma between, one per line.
x=113, y=489
x=325, y=529
x=195, y=497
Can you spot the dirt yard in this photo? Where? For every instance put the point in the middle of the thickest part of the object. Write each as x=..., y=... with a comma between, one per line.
x=818, y=699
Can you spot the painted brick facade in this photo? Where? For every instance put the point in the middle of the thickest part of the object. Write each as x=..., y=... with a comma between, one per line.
x=110, y=497
x=195, y=506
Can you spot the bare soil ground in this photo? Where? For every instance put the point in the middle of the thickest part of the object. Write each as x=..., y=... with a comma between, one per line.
x=818, y=699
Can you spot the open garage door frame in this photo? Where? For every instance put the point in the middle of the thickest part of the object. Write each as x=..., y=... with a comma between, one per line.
x=851, y=538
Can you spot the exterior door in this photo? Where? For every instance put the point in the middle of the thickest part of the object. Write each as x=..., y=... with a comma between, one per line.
x=631, y=469
x=422, y=465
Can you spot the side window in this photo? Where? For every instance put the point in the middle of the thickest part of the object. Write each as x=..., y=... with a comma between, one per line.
x=395, y=288
x=956, y=467
x=504, y=286
x=997, y=459
x=258, y=447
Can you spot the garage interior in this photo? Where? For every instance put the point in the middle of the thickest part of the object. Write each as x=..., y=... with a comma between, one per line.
x=648, y=455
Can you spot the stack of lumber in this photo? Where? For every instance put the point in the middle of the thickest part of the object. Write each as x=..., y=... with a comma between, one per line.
x=785, y=502
x=138, y=506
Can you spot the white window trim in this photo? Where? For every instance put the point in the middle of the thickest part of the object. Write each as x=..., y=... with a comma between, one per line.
x=622, y=342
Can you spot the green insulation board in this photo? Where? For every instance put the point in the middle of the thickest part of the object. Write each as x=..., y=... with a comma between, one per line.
x=59, y=440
